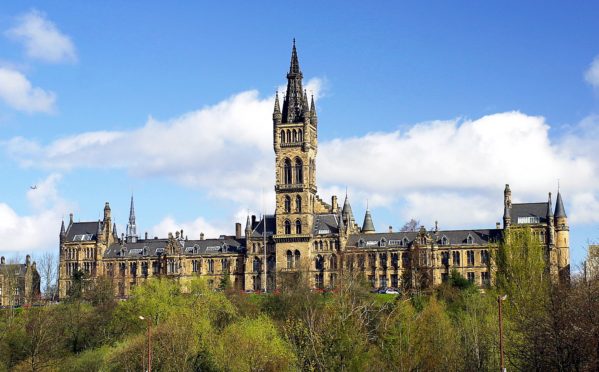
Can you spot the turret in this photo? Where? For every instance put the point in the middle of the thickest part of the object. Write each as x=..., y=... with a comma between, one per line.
x=368, y=226
x=562, y=239
x=347, y=214
x=313, y=116
x=99, y=231
x=550, y=223
x=107, y=212
x=507, y=206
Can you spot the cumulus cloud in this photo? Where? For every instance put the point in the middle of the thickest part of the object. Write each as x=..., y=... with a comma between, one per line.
x=430, y=171
x=42, y=39
x=39, y=229
x=17, y=92
x=592, y=73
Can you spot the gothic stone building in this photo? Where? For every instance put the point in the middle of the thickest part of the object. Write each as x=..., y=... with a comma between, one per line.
x=19, y=283
x=305, y=234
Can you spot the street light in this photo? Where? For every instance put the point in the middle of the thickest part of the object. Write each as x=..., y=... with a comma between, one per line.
x=149, y=342
x=501, y=365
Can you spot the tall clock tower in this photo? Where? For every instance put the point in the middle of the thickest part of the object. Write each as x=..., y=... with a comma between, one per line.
x=295, y=145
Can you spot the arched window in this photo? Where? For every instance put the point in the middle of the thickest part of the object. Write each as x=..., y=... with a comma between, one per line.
x=469, y=239
x=297, y=259
x=294, y=135
x=287, y=172
x=333, y=262
x=444, y=240
x=288, y=135
x=298, y=203
x=315, y=246
x=289, y=260
x=319, y=263
x=287, y=204
x=299, y=175
x=300, y=136
x=320, y=245
x=298, y=227
x=287, y=227
x=282, y=136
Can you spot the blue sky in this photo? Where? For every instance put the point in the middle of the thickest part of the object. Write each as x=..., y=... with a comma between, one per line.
x=426, y=110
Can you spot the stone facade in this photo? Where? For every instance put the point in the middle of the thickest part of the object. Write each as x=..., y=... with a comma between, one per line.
x=305, y=234
x=19, y=283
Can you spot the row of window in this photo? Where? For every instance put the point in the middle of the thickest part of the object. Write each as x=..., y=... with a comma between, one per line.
x=291, y=136
x=298, y=227
x=298, y=204
x=405, y=242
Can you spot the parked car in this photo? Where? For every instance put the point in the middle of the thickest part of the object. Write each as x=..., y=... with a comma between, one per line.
x=391, y=291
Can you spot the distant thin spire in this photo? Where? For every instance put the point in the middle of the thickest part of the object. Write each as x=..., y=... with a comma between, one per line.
x=131, y=226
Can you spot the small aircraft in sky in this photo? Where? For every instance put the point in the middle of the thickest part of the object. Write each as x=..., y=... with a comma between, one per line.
x=34, y=187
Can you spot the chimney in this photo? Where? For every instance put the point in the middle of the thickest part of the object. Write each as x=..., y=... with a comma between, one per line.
x=390, y=229
x=2, y=261
x=182, y=234
x=28, y=260
x=497, y=225
x=253, y=221
x=201, y=236
x=177, y=234
x=71, y=218
x=334, y=205
x=146, y=235
x=237, y=230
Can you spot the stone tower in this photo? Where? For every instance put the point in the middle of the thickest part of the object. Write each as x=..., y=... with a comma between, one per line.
x=295, y=145
x=562, y=239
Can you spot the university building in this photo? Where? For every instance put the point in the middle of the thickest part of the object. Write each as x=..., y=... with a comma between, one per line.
x=19, y=283
x=305, y=234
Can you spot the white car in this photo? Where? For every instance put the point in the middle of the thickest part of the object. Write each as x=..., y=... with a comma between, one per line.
x=391, y=291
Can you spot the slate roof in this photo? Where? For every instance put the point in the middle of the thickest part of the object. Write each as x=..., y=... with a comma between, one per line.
x=529, y=210
x=153, y=247
x=81, y=228
x=326, y=224
x=270, y=226
x=560, y=211
x=399, y=239
x=17, y=269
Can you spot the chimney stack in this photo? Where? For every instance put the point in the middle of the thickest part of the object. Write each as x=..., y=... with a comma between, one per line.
x=2, y=261
x=334, y=205
x=253, y=221
x=390, y=229
x=237, y=230
x=71, y=218
x=497, y=225
x=201, y=236
x=146, y=235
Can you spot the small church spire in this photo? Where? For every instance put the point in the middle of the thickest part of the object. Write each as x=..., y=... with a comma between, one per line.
x=131, y=226
x=63, y=233
x=560, y=211
x=368, y=225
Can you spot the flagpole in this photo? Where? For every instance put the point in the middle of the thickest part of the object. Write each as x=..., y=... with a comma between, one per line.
x=264, y=242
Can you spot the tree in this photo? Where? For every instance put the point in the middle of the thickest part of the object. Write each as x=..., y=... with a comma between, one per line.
x=410, y=226
x=48, y=269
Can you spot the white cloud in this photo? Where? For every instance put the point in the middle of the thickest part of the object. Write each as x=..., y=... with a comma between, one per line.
x=226, y=150
x=37, y=231
x=592, y=74
x=18, y=93
x=42, y=39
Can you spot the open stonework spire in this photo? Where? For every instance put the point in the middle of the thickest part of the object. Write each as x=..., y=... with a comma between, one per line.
x=293, y=102
x=131, y=226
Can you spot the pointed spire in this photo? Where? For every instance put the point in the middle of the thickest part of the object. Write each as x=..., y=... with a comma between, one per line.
x=293, y=102
x=63, y=232
x=560, y=211
x=549, y=208
x=348, y=215
x=114, y=233
x=341, y=224
x=368, y=225
x=248, y=227
x=131, y=226
x=99, y=230
x=306, y=107
x=277, y=109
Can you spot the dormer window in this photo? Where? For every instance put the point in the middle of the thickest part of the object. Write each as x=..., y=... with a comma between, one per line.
x=361, y=243
x=469, y=239
x=405, y=242
x=383, y=242
x=444, y=240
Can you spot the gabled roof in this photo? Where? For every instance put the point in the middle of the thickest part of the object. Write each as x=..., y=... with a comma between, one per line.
x=78, y=229
x=258, y=231
x=534, y=210
x=326, y=224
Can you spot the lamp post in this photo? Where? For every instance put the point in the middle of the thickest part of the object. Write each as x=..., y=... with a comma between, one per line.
x=149, y=342
x=500, y=299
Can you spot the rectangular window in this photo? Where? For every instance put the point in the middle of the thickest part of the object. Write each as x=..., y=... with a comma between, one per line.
x=525, y=220
x=456, y=258
x=394, y=280
x=485, y=278
x=471, y=277
x=484, y=257
x=470, y=255
x=383, y=281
